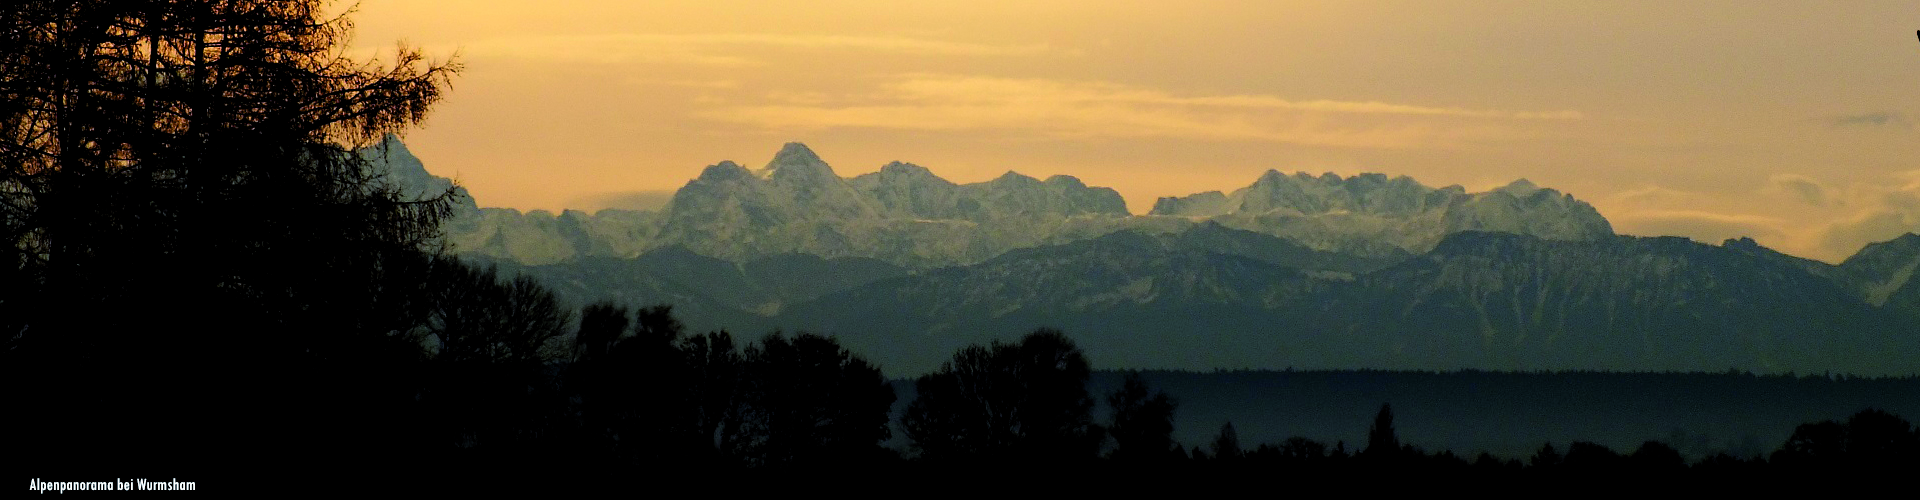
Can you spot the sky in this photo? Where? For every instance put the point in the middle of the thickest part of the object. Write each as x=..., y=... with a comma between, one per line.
x=1789, y=122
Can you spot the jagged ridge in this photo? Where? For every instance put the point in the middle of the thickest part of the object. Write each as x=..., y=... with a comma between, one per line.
x=1368, y=213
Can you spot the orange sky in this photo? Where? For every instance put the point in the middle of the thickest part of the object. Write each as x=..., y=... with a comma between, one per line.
x=1791, y=122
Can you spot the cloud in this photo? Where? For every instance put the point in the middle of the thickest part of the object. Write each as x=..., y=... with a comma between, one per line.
x=712, y=49
x=1655, y=195
x=1886, y=212
x=917, y=46
x=988, y=89
x=695, y=84
x=1874, y=119
x=1705, y=226
x=1069, y=109
x=1801, y=187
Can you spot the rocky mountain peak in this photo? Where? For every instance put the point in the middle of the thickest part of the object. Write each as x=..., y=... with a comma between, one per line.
x=1067, y=181
x=796, y=161
x=1014, y=178
x=1271, y=176
x=1207, y=204
x=405, y=173
x=1743, y=242
x=1886, y=254
x=724, y=171
x=903, y=169
x=1889, y=272
x=1520, y=188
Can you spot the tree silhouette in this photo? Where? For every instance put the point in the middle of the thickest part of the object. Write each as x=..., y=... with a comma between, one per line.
x=183, y=155
x=1591, y=457
x=1545, y=458
x=1870, y=439
x=602, y=324
x=1226, y=445
x=491, y=338
x=1382, y=442
x=1301, y=449
x=1142, y=426
x=1655, y=456
x=1023, y=402
x=711, y=386
x=478, y=317
x=1876, y=438
x=805, y=401
x=179, y=170
x=639, y=398
x=1822, y=443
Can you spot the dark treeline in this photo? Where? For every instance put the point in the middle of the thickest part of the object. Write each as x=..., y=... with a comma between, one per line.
x=1512, y=413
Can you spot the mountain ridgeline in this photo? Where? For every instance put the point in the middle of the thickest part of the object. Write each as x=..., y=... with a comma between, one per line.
x=1293, y=271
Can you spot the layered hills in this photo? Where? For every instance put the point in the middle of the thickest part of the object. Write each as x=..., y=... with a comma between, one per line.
x=1291, y=271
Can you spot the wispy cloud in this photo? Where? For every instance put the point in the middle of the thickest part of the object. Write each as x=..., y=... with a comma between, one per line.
x=868, y=43
x=1884, y=211
x=695, y=84
x=1874, y=119
x=719, y=49
x=1801, y=187
x=1701, y=225
x=1833, y=223
x=1655, y=195
x=989, y=89
x=1071, y=109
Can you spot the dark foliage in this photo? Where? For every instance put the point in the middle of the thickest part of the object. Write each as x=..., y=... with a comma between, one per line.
x=1584, y=455
x=183, y=157
x=1226, y=444
x=1142, y=426
x=805, y=401
x=1869, y=439
x=1007, y=402
x=479, y=317
x=1382, y=442
x=186, y=230
x=711, y=387
x=1657, y=457
x=601, y=326
x=638, y=402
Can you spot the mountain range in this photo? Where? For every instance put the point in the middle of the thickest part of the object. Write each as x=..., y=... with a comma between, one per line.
x=1291, y=271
